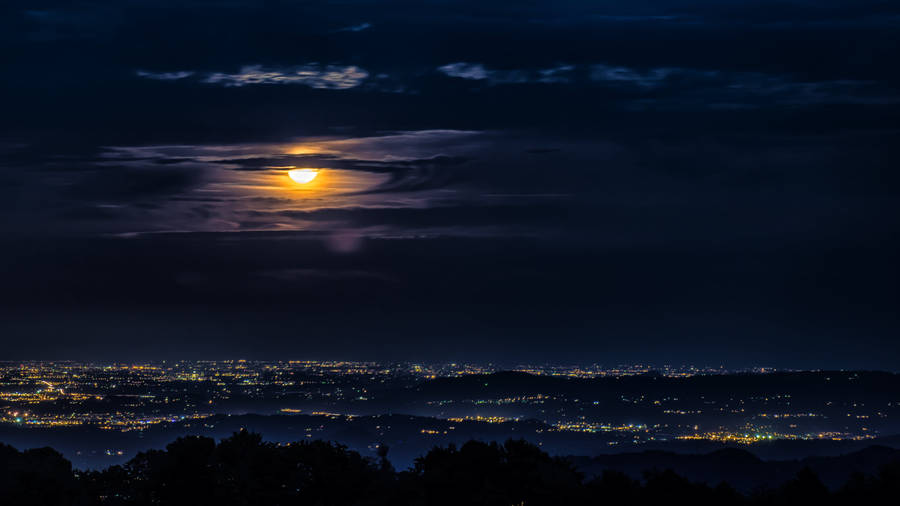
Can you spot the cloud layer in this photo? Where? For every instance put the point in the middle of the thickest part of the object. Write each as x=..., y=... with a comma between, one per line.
x=687, y=175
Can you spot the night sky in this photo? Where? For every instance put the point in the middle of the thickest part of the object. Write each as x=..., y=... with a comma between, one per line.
x=704, y=182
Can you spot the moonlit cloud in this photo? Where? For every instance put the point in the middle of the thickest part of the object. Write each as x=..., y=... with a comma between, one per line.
x=331, y=77
x=220, y=188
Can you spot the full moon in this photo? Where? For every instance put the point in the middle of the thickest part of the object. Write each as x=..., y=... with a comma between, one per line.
x=303, y=176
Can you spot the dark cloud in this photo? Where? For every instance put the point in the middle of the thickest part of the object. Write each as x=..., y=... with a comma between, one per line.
x=129, y=184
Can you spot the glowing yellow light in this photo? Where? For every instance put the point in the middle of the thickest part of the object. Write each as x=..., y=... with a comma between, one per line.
x=303, y=176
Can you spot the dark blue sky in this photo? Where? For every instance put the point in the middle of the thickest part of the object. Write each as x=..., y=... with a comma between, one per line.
x=707, y=182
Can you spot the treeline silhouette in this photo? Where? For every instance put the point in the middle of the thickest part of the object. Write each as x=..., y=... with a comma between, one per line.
x=245, y=470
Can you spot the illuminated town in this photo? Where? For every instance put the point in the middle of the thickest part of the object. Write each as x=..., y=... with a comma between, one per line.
x=621, y=405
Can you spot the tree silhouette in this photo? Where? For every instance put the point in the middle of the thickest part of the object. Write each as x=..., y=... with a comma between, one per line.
x=35, y=477
x=244, y=470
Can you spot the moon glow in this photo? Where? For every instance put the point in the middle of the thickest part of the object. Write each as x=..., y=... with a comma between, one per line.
x=303, y=176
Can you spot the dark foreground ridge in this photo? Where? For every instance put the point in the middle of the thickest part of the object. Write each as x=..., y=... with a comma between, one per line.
x=245, y=470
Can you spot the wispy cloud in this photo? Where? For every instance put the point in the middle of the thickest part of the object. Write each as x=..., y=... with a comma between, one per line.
x=356, y=28
x=562, y=74
x=313, y=75
x=556, y=74
x=165, y=76
x=465, y=70
x=647, y=79
x=479, y=72
x=333, y=77
x=777, y=89
x=685, y=87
